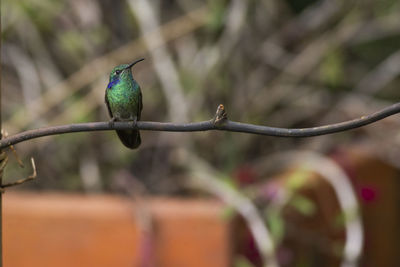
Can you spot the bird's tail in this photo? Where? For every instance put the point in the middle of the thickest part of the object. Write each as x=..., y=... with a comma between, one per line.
x=130, y=138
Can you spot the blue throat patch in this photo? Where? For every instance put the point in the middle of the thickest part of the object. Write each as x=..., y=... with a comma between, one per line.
x=112, y=83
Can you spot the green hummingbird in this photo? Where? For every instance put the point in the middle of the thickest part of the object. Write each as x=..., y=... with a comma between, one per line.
x=124, y=102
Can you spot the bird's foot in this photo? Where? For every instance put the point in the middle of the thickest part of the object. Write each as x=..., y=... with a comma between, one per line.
x=134, y=123
x=111, y=122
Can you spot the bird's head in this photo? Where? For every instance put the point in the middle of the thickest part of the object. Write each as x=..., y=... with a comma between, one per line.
x=121, y=72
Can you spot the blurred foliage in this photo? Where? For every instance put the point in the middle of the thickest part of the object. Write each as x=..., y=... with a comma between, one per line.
x=281, y=63
x=332, y=70
x=304, y=205
x=276, y=224
x=242, y=262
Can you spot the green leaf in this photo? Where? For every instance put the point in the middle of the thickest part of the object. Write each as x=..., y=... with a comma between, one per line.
x=276, y=224
x=303, y=205
x=332, y=68
x=216, y=15
x=298, y=178
x=241, y=261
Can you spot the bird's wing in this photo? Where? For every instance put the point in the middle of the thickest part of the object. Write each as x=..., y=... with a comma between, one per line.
x=108, y=105
x=140, y=104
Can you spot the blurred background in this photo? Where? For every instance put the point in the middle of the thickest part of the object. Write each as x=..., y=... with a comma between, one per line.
x=320, y=201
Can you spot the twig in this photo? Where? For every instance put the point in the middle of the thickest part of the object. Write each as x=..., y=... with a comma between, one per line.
x=23, y=180
x=225, y=125
x=3, y=164
x=3, y=156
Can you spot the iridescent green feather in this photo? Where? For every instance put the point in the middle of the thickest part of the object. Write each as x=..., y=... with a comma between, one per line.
x=124, y=102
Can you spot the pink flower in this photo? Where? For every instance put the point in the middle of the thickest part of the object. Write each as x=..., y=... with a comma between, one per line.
x=368, y=194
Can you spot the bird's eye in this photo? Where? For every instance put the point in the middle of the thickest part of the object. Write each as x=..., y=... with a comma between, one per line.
x=117, y=72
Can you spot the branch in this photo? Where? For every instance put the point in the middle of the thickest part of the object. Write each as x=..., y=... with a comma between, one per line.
x=219, y=122
x=23, y=180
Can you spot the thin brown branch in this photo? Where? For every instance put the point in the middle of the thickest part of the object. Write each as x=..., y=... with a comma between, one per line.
x=214, y=124
x=23, y=180
x=19, y=161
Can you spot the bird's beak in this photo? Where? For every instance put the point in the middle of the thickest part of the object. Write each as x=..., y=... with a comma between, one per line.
x=133, y=63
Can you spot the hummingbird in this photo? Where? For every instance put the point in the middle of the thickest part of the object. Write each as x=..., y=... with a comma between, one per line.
x=124, y=102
